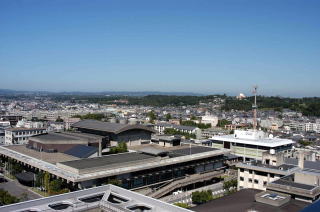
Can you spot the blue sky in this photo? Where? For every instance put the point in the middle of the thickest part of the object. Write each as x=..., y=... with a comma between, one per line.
x=198, y=46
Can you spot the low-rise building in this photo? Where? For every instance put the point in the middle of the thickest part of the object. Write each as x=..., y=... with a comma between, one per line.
x=213, y=120
x=21, y=135
x=161, y=127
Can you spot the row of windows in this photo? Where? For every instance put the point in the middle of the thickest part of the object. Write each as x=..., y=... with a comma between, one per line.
x=30, y=132
x=265, y=174
x=255, y=181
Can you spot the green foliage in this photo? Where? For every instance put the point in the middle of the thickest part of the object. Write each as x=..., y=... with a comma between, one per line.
x=39, y=179
x=168, y=117
x=152, y=116
x=15, y=167
x=55, y=185
x=305, y=143
x=200, y=197
x=170, y=131
x=193, y=117
x=223, y=122
x=228, y=185
x=116, y=182
x=6, y=198
x=194, y=124
x=94, y=116
x=59, y=119
x=182, y=205
x=120, y=148
x=307, y=106
x=46, y=181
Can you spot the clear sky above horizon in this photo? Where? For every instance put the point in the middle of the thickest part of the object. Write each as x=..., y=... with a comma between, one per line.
x=199, y=46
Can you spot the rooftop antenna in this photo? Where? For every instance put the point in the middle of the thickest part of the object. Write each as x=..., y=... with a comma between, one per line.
x=254, y=107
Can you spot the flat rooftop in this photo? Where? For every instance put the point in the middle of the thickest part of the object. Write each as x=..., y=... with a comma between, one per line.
x=311, y=165
x=65, y=138
x=100, y=199
x=53, y=158
x=108, y=161
x=244, y=200
x=190, y=150
x=77, y=170
x=282, y=167
x=288, y=181
x=266, y=142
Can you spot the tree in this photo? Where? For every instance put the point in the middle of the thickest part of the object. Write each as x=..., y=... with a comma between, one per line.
x=39, y=179
x=223, y=122
x=116, y=182
x=6, y=198
x=152, y=116
x=168, y=116
x=59, y=119
x=46, y=181
x=94, y=116
x=200, y=197
x=120, y=148
x=182, y=205
x=55, y=186
x=230, y=184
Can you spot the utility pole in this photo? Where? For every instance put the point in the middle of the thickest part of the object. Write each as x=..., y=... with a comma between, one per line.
x=254, y=107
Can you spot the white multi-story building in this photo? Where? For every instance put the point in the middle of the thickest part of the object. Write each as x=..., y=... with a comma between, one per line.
x=312, y=127
x=250, y=144
x=21, y=135
x=29, y=124
x=213, y=120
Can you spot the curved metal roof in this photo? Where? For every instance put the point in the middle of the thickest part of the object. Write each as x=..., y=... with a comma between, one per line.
x=108, y=127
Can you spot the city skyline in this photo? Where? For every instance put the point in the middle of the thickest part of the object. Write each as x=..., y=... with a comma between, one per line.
x=206, y=47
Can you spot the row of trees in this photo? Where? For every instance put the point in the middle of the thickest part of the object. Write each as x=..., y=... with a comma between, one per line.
x=52, y=186
x=95, y=116
x=194, y=124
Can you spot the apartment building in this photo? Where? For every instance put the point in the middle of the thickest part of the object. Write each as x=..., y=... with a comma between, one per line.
x=21, y=135
x=160, y=128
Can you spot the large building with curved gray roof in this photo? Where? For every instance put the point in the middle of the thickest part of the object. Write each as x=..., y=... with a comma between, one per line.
x=115, y=132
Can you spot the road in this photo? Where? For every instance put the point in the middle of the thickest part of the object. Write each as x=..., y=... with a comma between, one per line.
x=18, y=190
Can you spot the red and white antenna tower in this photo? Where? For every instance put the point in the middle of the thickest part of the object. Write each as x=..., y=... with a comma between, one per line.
x=254, y=107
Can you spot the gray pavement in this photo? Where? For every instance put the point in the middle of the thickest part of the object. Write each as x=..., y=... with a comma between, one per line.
x=18, y=190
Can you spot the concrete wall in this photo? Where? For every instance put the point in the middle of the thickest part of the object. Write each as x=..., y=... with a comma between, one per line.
x=307, y=178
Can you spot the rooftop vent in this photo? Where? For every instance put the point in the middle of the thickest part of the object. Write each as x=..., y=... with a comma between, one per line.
x=90, y=199
x=60, y=206
x=116, y=199
x=139, y=208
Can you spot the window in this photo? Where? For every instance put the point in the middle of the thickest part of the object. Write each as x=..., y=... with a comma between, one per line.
x=241, y=170
x=272, y=175
x=265, y=183
x=241, y=179
x=256, y=181
x=250, y=180
x=250, y=171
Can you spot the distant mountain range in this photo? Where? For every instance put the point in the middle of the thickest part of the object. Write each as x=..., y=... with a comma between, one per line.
x=106, y=93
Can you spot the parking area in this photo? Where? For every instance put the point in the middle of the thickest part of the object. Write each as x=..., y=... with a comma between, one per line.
x=18, y=190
